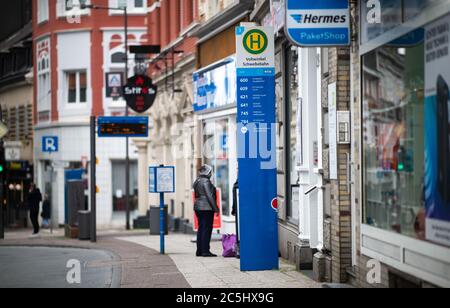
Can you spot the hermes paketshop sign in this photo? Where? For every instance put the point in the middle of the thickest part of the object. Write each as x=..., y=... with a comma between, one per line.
x=140, y=93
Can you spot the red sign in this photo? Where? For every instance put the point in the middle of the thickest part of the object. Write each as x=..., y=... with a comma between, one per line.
x=274, y=204
x=217, y=218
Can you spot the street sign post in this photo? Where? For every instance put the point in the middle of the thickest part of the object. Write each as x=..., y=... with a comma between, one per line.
x=316, y=23
x=162, y=181
x=255, y=64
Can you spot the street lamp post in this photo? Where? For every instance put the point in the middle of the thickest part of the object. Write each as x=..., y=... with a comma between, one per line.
x=127, y=156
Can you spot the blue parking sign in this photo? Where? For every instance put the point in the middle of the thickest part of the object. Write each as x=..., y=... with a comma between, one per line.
x=50, y=144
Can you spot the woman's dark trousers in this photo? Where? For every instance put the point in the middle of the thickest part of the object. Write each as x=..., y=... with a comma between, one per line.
x=204, y=233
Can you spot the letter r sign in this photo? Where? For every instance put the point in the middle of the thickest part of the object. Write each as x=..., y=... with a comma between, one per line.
x=49, y=144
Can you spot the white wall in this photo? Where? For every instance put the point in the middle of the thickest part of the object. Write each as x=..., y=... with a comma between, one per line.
x=74, y=143
x=74, y=53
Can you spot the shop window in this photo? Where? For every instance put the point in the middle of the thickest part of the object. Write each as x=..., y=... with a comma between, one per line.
x=216, y=154
x=406, y=136
x=394, y=138
x=119, y=186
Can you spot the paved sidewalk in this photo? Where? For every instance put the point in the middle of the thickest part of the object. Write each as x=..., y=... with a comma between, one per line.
x=221, y=272
x=139, y=266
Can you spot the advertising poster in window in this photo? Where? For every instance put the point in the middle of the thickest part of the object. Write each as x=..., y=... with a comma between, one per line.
x=437, y=131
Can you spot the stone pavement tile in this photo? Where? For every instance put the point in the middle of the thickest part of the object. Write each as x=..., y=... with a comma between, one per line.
x=253, y=285
x=273, y=276
x=226, y=272
x=239, y=279
x=217, y=272
x=204, y=281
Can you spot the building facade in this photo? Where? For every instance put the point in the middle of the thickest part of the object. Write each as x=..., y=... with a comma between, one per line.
x=16, y=99
x=360, y=153
x=400, y=69
x=186, y=134
x=74, y=50
x=214, y=85
x=172, y=120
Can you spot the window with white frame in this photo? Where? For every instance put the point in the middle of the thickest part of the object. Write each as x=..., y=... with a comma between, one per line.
x=42, y=11
x=44, y=90
x=133, y=6
x=71, y=7
x=71, y=4
x=75, y=87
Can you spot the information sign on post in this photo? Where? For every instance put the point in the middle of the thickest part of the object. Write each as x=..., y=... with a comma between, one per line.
x=162, y=181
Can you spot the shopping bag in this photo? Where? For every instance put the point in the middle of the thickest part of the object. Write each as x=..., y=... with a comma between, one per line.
x=229, y=242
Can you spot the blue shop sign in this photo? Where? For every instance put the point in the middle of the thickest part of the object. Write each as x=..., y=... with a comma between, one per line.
x=316, y=23
x=215, y=86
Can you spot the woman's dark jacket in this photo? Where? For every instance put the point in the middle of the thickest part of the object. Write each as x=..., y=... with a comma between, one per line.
x=205, y=195
x=46, y=210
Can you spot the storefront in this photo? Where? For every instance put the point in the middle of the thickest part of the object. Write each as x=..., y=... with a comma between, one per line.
x=405, y=72
x=65, y=159
x=299, y=141
x=215, y=106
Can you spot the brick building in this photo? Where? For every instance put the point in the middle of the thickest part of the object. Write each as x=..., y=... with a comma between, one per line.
x=16, y=100
x=173, y=122
x=74, y=49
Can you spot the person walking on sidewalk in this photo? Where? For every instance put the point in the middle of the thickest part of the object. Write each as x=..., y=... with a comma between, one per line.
x=34, y=199
x=205, y=208
x=46, y=212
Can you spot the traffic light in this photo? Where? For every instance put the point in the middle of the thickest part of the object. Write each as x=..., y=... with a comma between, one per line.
x=2, y=162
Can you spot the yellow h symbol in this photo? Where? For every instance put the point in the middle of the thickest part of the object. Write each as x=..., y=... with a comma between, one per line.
x=255, y=39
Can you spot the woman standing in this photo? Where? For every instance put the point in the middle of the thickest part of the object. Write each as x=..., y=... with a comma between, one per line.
x=205, y=208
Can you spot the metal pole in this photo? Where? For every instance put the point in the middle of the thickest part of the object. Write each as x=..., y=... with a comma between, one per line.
x=93, y=183
x=2, y=217
x=162, y=227
x=127, y=163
